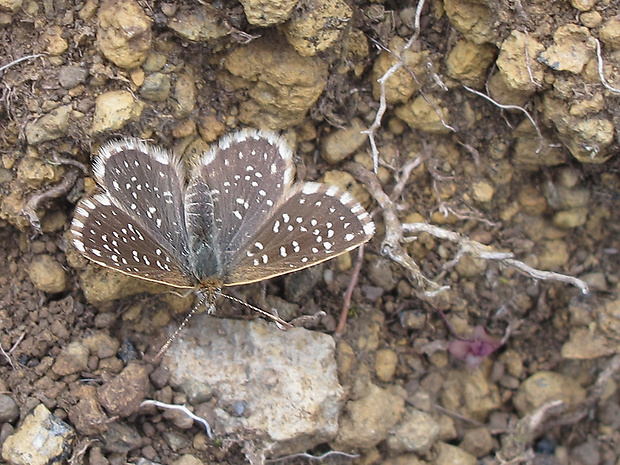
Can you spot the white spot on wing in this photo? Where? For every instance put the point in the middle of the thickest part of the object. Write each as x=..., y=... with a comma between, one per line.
x=311, y=188
x=79, y=245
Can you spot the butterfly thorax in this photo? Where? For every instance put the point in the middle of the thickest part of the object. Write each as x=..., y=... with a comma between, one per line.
x=209, y=289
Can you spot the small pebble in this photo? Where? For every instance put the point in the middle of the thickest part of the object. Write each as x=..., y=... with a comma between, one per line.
x=156, y=87
x=73, y=358
x=385, y=364
x=341, y=143
x=71, y=76
x=9, y=411
x=48, y=275
x=122, y=395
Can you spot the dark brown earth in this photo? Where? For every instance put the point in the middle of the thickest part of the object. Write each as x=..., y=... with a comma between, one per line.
x=549, y=196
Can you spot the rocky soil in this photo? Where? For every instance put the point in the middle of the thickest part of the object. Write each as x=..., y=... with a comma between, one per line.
x=495, y=122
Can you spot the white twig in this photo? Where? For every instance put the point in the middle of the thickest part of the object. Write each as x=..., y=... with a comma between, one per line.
x=19, y=60
x=379, y=116
x=601, y=71
x=467, y=246
x=436, y=108
x=405, y=172
x=382, y=80
x=181, y=408
x=416, y=22
x=516, y=446
x=466, y=213
x=391, y=246
x=80, y=450
x=305, y=455
x=510, y=107
x=37, y=199
x=527, y=63
x=547, y=275
x=6, y=356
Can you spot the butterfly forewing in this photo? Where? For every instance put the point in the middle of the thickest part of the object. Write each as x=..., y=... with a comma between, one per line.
x=317, y=222
x=148, y=183
x=109, y=236
x=249, y=174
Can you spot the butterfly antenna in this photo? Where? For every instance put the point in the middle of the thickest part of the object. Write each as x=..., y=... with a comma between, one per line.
x=279, y=321
x=188, y=317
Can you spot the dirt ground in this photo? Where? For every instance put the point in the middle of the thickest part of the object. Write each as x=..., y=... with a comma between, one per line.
x=456, y=147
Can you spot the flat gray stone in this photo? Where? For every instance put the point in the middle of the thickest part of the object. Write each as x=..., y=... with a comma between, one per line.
x=279, y=388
